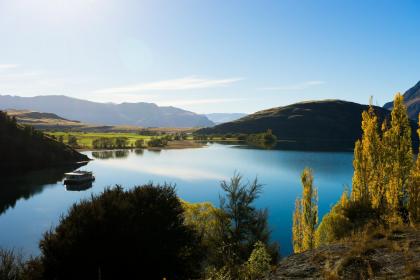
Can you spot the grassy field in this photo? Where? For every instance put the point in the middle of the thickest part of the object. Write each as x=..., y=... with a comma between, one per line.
x=84, y=140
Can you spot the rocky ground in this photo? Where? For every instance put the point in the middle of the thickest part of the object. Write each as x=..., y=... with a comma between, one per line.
x=393, y=254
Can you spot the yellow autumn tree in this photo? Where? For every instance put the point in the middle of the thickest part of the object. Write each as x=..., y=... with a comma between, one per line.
x=305, y=217
x=414, y=190
x=297, y=230
x=397, y=141
x=367, y=183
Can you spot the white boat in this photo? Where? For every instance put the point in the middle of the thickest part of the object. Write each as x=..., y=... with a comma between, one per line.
x=78, y=177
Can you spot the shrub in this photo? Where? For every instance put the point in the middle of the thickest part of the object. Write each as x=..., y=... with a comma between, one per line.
x=123, y=235
x=258, y=265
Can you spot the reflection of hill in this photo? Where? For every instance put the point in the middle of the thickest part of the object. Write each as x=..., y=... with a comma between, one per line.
x=25, y=186
x=110, y=154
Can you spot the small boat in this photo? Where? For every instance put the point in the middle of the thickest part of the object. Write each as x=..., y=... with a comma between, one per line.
x=78, y=177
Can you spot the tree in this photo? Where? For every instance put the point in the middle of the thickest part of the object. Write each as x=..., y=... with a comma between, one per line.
x=240, y=224
x=139, y=233
x=72, y=141
x=139, y=143
x=297, y=229
x=414, y=190
x=306, y=214
x=400, y=161
x=258, y=265
x=121, y=142
x=368, y=179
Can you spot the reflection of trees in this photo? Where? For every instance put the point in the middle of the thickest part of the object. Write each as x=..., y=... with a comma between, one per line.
x=139, y=152
x=110, y=154
x=121, y=153
x=29, y=184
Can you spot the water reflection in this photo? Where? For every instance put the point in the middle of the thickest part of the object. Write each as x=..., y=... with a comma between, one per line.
x=110, y=154
x=27, y=185
x=79, y=187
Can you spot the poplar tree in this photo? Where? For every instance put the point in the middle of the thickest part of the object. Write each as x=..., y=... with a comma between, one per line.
x=297, y=230
x=414, y=190
x=367, y=182
x=305, y=217
x=400, y=157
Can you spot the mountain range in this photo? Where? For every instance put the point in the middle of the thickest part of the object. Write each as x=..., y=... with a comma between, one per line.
x=412, y=101
x=312, y=125
x=219, y=118
x=137, y=114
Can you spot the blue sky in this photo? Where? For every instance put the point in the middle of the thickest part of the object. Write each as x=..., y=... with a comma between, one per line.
x=210, y=56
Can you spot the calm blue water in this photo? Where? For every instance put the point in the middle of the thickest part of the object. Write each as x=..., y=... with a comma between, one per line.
x=37, y=200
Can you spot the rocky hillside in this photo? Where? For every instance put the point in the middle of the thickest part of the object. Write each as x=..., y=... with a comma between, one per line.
x=379, y=255
x=412, y=100
x=312, y=125
x=138, y=114
x=23, y=148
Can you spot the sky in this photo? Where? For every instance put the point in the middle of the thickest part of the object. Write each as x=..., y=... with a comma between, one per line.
x=210, y=55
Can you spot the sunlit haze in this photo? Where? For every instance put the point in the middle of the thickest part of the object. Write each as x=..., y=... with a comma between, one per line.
x=209, y=56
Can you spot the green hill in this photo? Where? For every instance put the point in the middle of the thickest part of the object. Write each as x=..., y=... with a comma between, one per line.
x=312, y=125
x=23, y=148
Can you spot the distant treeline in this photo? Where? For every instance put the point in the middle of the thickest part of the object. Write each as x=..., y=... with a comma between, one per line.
x=23, y=148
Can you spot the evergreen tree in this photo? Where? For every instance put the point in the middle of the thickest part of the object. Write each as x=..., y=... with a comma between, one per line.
x=400, y=157
x=306, y=214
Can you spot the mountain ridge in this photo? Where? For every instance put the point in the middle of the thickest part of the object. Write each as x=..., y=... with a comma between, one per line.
x=330, y=124
x=411, y=100
x=140, y=114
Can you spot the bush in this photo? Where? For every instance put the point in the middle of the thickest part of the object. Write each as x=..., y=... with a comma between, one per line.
x=120, y=234
x=258, y=265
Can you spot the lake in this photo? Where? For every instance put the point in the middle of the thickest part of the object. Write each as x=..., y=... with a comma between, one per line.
x=32, y=204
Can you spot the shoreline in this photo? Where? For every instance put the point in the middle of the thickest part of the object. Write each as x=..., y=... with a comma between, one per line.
x=172, y=145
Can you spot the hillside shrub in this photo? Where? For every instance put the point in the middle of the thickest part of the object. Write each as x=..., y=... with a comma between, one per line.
x=134, y=234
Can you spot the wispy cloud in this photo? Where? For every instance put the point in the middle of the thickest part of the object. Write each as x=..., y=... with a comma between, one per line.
x=174, y=84
x=295, y=87
x=8, y=66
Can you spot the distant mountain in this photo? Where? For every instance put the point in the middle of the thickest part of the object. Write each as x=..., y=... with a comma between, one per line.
x=412, y=100
x=23, y=148
x=138, y=114
x=219, y=118
x=313, y=125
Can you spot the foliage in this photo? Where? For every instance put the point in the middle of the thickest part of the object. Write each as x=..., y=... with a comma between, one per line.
x=414, y=190
x=305, y=217
x=266, y=139
x=13, y=267
x=367, y=178
x=258, y=265
x=72, y=141
x=23, y=148
x=139, y=143
x=400, y=154
x=88, y=140
x=385, y=187
x=241, y=225
x=157, y=142
x=121, y=235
